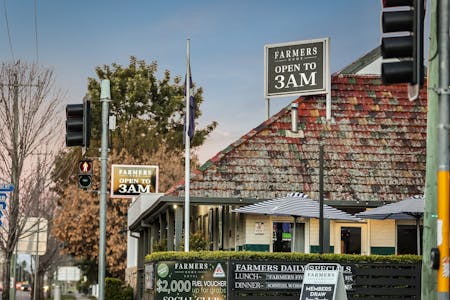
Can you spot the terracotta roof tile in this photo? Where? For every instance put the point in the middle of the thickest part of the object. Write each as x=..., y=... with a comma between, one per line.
x=374, y=149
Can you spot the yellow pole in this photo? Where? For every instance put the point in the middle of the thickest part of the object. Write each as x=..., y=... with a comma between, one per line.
x=443, y=231
x=443, y=150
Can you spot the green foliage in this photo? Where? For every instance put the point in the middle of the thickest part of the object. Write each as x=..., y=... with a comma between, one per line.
x=149, y=111
x=115, y=289
x=279, y=256
x=150, y=115
x=197, y=242
x=160, y=246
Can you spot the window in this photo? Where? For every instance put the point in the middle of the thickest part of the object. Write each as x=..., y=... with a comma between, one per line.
x=282, y=237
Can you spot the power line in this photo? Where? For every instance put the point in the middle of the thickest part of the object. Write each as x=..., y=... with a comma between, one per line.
x=36, y=31
x=7, y=29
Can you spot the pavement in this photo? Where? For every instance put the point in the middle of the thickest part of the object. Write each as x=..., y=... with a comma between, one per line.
x=81, y=297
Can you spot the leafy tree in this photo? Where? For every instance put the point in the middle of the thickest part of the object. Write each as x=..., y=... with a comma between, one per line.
x=149, y=112
x=149, y=131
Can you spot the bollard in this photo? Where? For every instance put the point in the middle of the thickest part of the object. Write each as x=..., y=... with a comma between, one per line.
x=56, y=293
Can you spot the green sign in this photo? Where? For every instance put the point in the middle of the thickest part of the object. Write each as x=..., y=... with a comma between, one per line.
x=195, y=280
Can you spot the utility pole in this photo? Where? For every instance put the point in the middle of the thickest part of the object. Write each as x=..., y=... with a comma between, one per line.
x=443, y=177
x=105, y=98
x=429, y=276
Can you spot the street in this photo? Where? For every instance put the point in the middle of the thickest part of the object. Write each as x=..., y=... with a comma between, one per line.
x=21, y=295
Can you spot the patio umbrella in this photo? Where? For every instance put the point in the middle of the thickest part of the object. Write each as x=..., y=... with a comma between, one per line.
x=296, y=206
x=409, y=208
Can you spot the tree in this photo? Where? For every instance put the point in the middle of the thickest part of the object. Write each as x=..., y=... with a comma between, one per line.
x=149, y=112
x=28, y=117
x=149, y=116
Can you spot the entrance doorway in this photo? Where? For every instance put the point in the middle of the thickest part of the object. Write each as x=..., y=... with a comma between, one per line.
x=407, y=239
x=282, y=237
x=351, y=240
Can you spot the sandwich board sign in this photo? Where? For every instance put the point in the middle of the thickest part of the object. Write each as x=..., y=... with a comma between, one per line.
x=323, y=281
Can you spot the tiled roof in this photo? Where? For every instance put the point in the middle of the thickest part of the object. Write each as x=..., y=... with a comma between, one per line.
x=373, y=150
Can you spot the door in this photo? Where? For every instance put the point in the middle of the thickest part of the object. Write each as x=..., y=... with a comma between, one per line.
x=282, y=236
x=351, y=240
x=299, y=238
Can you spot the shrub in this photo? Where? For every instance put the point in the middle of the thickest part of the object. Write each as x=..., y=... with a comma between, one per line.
x=160, y=246
x=115, y=289
x=197, y=242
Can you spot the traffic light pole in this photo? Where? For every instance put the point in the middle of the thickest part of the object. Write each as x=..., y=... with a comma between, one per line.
x=443, y=152
x=105, y=98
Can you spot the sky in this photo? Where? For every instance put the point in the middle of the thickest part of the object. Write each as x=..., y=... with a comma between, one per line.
x=227, y=41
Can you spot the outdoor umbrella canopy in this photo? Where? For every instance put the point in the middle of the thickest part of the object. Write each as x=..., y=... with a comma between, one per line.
x=409, y=208
x=296, y=206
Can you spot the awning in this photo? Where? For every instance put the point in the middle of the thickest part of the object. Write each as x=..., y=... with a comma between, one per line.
x=296, y=206
x=410, y=208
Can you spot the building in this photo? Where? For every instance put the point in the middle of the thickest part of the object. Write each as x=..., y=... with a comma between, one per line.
x=373, y=153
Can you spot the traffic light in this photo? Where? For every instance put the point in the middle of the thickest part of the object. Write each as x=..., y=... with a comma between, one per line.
x=78, y=124
x=403, y=22
x=85, y=170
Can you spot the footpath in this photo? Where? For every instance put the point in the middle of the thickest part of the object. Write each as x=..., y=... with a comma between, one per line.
x=81, y=297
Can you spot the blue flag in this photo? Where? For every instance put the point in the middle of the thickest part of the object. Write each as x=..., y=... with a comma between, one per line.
x=191, y=129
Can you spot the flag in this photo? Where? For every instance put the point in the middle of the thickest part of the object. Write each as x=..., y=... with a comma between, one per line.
x=191, y=130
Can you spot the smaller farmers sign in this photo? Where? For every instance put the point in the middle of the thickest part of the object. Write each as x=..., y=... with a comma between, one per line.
x=129, y=181
x=323, y=282
x=191, y=280
x=296, y=68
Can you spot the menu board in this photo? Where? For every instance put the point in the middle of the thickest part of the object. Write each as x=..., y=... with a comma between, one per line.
x=281, y=276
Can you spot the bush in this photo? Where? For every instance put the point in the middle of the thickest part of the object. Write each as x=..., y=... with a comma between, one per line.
x=160, y=246
x=115, y=289
x=280, y=256
x=197, y=242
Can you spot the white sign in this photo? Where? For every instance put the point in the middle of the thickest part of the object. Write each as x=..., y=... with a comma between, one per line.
x=323, y=281
x=33, y=239
x=259, y=228
x=68, y=274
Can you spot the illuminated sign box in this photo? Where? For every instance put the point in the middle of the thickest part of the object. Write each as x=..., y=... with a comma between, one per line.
x=129, y=181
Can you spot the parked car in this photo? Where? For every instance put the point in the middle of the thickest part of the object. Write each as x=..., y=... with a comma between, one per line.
x=25, y=287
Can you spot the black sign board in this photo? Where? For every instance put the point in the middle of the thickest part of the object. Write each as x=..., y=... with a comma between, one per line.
x=296, y=68
x=191, y=280
x=247, y=276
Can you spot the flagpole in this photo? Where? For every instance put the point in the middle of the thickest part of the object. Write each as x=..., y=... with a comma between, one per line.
x=187, y=151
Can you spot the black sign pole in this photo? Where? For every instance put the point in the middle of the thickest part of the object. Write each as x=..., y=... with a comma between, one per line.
x=321, y=227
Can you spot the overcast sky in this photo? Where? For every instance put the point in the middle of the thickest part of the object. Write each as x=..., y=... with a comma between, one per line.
x=227, y=45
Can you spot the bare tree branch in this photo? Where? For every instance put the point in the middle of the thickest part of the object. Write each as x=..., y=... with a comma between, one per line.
x=29, y=123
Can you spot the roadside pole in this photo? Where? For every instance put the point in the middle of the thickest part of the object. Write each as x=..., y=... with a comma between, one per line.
x=429, y=276
x=105, y=98
x=443, y=153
